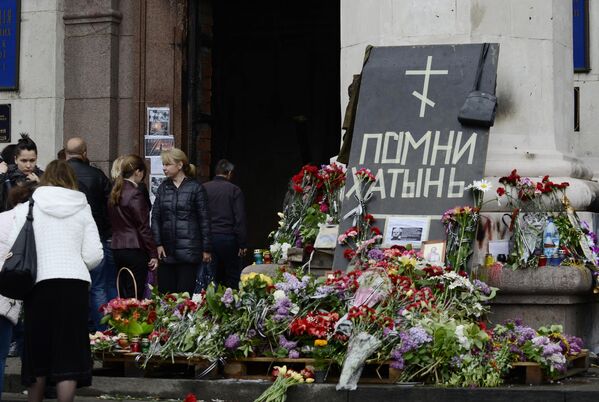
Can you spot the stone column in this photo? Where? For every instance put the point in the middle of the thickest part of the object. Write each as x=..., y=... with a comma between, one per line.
x=533, y=130
x=91, y=76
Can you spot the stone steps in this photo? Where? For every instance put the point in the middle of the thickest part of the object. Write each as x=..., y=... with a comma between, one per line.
x=580, y=389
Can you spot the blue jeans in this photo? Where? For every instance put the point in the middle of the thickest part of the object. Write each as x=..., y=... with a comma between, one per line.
x=5, y=337
x=109, y=271
x=97, y=292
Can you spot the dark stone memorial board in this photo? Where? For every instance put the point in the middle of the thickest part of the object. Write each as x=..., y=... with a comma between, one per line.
x=4, y=123
x=407, y=133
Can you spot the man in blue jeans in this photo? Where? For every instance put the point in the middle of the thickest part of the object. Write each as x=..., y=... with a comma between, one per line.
x=228, y=227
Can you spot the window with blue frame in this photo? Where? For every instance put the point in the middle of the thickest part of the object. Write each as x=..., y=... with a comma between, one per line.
x=580, y=37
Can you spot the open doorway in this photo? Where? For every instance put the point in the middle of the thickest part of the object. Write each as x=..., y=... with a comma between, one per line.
x=275, y=96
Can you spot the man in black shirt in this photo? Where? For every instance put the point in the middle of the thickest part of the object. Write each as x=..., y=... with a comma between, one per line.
x=96, y=187
x=228, y=225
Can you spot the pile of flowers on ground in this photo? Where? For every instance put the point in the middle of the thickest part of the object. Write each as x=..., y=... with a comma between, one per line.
x=428, y=320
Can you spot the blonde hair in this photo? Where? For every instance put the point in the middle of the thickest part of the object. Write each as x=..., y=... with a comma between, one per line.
x=59, y=174
x=175, y=155
x=115, y=171
x=128, y=165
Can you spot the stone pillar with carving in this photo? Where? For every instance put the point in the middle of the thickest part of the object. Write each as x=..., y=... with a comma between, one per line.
x=91, y=48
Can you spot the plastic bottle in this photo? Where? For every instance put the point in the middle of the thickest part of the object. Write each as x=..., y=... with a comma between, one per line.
x=550, y=239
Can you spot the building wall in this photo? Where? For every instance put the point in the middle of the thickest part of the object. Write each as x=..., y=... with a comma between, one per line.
x=587, y=139
x=37, y=107
x=533, y=130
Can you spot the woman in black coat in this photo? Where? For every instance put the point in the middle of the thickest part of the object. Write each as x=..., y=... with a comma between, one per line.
x=181, y=224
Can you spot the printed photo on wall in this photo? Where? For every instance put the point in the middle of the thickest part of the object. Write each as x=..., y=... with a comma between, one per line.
x=155, y=145
x=155, y=181
x=158, y=121
x=433, y=251
x=404, y=230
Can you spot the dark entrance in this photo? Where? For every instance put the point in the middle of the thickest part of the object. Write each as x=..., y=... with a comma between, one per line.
x=275, y=96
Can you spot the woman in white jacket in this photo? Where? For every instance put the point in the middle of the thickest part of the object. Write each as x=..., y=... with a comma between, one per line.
x=56, y=347
x=9, y=308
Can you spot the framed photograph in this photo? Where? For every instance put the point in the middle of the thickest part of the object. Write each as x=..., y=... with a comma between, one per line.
x=433, y=251
x=404, y=230
x=158, y=121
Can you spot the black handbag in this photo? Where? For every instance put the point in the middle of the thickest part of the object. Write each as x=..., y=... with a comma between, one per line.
x=19, y=270
x=480, y=107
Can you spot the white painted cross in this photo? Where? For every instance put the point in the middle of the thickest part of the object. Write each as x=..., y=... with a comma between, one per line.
x=424, y=100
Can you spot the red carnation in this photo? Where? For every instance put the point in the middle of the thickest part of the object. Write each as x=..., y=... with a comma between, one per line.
x=190, y=398
x=298, y=189
x=500, y=191
x=375, y=230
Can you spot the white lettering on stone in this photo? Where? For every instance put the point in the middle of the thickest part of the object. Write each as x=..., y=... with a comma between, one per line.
x=398, y=138
x=428, y=183
x=446, y=148
x=394, y=173
x=379, y=184
x=451, y=193
x=409, y=140
x=459, y=151
x=377, y=152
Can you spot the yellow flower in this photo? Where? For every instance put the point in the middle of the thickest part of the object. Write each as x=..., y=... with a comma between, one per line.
x=320, y=342
x=309, y=380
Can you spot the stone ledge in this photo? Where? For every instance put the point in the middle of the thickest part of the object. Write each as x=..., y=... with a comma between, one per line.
x=544, y=281
x=113, y=16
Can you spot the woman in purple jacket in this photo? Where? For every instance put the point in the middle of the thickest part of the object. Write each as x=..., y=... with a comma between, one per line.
x=132, y=243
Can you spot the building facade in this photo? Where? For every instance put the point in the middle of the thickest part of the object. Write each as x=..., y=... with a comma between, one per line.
x=264, y=84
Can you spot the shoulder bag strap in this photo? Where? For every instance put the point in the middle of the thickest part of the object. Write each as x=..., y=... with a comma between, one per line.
x=481, y=62
x=30, y=213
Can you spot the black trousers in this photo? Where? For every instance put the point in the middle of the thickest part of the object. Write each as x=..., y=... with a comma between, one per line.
x=177, y=278
x=136, y=260
x=226, y=260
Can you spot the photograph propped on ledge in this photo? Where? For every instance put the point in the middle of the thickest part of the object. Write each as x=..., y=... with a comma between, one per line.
x=404, y=230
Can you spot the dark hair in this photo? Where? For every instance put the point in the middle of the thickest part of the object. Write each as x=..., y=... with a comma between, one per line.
x=59, y=174
x=25, y=144
x=223, y=166
x=62, y=155
x=129, y=165
x=8, y=153
x=20, y=193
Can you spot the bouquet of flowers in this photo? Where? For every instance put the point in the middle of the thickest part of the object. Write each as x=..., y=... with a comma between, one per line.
x=461, y=224
x=284, y=379
x=333, y=178
x=530, y=202
x=130, y=316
